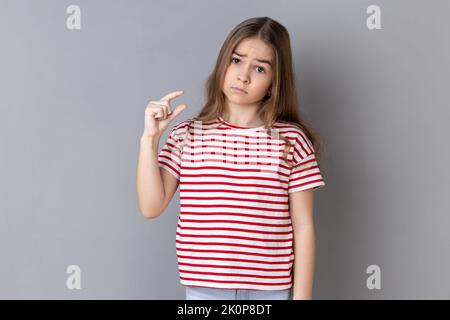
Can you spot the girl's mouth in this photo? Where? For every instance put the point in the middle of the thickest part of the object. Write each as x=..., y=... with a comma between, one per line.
x=241, y=91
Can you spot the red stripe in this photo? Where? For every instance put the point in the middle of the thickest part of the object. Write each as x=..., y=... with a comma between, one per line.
x=233, y=237
x=241, y=282
x=234, y=199
x=237, y=222
x=301, y=144
x=166, y=164
x=174, y=149
x=234, y=244
x=231, y=267
x=244, y=163
x=232, y=206
x=235, y=191
x=303, y=163
x=306, y=183
x=259, y=170
x=266, y=147
x=256, y=254
x=232, y=184
x=305, y=177
x=213, y=175
x=169, y=157
x=235, y=260
x=235, y=214
x=236, y=229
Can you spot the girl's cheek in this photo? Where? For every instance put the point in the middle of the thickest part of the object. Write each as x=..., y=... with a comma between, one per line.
x=232, y=67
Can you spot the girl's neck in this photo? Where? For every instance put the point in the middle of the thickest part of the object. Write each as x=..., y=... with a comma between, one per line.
x=243, y=119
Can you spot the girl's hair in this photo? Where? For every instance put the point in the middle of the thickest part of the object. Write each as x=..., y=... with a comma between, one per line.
x=282, y=104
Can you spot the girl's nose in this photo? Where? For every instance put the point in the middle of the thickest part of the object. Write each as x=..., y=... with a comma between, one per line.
x=243, y=78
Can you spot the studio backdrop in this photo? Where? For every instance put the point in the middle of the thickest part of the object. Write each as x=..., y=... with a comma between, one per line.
x=76, y=76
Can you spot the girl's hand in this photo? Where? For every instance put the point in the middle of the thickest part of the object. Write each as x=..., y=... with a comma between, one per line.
x=158, y=114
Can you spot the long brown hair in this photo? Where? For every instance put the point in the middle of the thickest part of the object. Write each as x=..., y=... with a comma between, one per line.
x=282, y=103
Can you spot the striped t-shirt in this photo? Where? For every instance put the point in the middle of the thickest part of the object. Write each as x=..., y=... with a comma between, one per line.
x=234, y=228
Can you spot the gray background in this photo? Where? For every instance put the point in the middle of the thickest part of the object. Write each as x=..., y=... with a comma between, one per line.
x=71, y=115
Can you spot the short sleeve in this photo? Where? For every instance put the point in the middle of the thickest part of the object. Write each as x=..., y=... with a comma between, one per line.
x=169, y=157
x=305, y=172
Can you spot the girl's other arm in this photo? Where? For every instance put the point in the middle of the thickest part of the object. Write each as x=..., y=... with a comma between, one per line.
x=301, y=209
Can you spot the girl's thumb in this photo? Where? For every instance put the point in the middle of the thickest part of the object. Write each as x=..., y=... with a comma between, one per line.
x=177, y=111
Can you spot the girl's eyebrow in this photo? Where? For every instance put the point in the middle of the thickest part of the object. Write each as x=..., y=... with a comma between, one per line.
x=259, y=60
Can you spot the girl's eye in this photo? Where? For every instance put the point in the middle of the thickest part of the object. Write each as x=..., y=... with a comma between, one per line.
x=261, y=68
x=233, y=59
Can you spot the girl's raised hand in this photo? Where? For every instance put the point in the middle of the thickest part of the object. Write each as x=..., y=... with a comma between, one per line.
x=158, y=114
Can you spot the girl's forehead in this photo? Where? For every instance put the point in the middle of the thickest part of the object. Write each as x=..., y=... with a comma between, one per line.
x=254, y=47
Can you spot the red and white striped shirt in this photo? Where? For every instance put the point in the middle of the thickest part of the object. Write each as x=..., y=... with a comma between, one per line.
x=234, y=228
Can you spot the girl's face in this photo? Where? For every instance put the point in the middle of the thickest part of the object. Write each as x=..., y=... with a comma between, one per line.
x=250, y=69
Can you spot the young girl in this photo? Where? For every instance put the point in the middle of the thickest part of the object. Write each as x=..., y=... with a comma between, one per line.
x=247, y=168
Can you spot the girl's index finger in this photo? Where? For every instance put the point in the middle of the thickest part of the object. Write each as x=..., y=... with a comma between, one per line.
x=172, y=95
